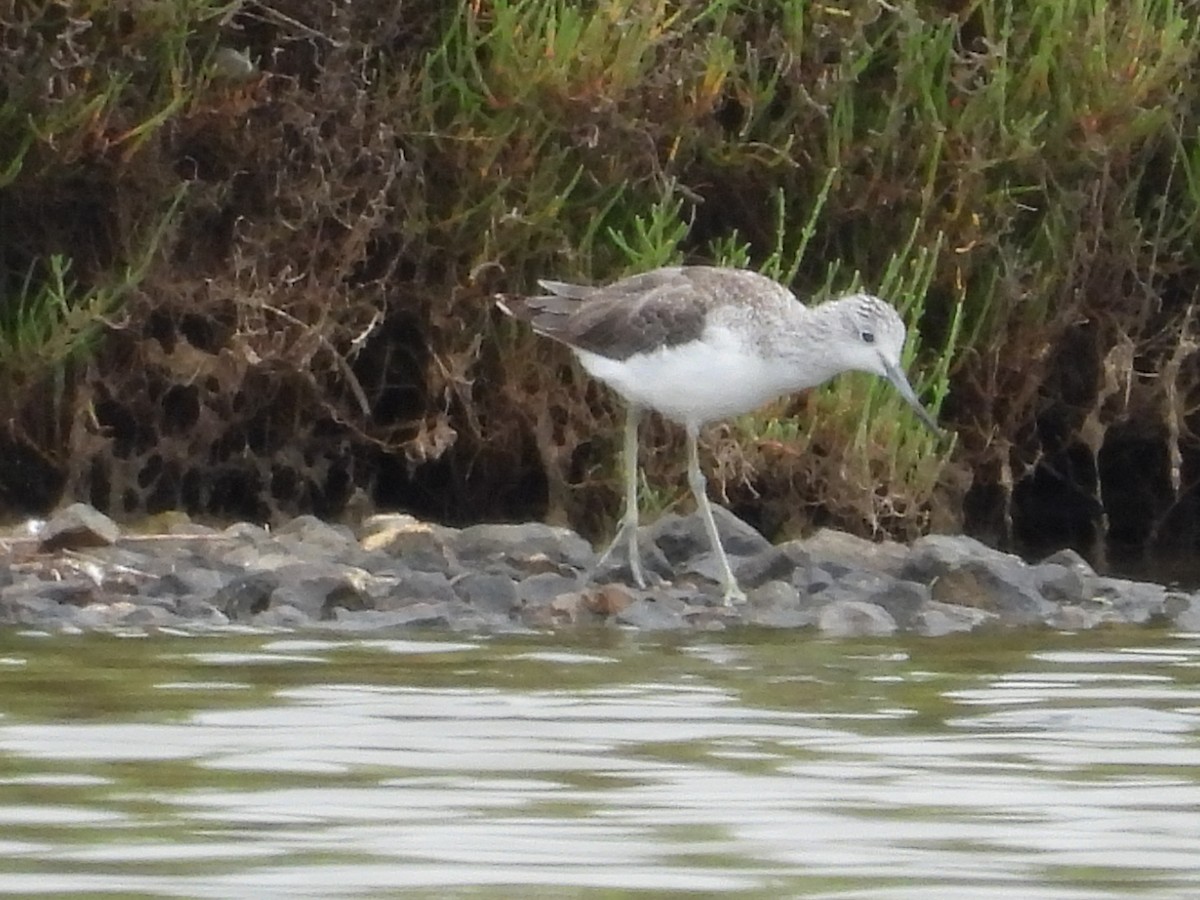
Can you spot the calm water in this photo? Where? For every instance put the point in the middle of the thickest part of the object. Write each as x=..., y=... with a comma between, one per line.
x=608, y=765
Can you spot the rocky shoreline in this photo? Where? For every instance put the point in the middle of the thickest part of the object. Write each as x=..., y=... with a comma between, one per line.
x=80, y=572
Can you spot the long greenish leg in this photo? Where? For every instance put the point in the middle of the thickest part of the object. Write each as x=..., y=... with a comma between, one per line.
x=629, y=519
x=733, y=593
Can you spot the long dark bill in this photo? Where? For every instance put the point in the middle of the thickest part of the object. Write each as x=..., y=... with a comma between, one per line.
x=900, y=382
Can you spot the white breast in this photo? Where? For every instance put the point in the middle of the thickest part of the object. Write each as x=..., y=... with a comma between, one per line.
x=701, y=381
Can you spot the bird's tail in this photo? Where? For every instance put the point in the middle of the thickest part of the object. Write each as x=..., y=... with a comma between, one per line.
x=566, y=289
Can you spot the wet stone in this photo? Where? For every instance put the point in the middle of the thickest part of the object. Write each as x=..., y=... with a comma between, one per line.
x=419, y=546
x=522, y=549
x=246, y=596
x=540, y=589
x=76, y=527
x=1002, y=587
x=904, y=601
x=604, y=600
x=1064, y=585
x=682, y=538
x=201, y=611
x=316, y=591
x=778, y=604
x=814, y=579
x=100, y=615
x=397, y=572
x=938, y=554
x=436, y=614
x=73, y=592
x=283, y=615
x=190, y=579
x=488, y=593
x=27, y=607
x=616, y=570
x=1076, y=618
x=939, y=619
x=855, y=618
x=1072, y=560
x=407, y=588
x=317, y=537
x=776, y=563
x=1187, y=618
x=846, y=552
x=1139, y=602
x=653, y=615
x=150, y=617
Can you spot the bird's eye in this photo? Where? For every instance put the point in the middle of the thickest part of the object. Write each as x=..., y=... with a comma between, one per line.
x=868, y=337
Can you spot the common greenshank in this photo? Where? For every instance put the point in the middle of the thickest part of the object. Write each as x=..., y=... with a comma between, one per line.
x=703, y=343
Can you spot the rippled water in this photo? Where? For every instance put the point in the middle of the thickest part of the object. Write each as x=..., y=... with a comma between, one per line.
x=605, y=765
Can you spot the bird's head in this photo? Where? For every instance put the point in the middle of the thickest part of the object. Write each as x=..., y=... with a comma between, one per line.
x=871, y=338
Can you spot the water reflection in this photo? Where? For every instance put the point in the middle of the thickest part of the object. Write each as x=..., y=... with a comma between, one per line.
x=766, y=766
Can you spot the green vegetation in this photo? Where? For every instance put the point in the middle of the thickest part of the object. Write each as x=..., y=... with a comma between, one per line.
x=255, y=243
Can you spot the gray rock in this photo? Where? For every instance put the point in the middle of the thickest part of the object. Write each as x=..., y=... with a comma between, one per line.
x=771, y=564
x=274, y=560
x=247, y=533
x=998, y=586
x=856, y=584
x=253, y=556
x=837, y=550
x=938, y=619
x=69, y=591
x=814, y=579
x=1062, y=584
x=317, y=537
x=1139, y=602
x=201, y=611
x=1175, y=604
x=616, y=569
x=1071, y=560
x=420, y=546
x=134, y=560
x=681, y=538
x=778, y=604
x=1187, y=618
x=283, y=615
x=76, y=527
x=937, y=554
x=308, y=574
x=413, y=587
x=316, y=589
x=150, y=617
x=653, y=615
x=22, y=604
x=495, y=594
x=544, y=587
x=904, y=601
x=98, y=615
x=435, y=614
x=1077, y=618
x=525, y=549
x=565, y=609
x=192, y=577
x=855, y=618
x=246, y=595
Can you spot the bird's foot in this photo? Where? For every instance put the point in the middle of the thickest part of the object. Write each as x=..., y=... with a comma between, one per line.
x=734, y=595
x=635, y=567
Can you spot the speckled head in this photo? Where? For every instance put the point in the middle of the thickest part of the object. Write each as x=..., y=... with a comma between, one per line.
x=871, y=336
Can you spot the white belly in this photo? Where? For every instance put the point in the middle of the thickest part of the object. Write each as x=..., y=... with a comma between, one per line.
x=693, y=383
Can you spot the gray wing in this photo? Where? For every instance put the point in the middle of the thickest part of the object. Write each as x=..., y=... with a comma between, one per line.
x=638, y=314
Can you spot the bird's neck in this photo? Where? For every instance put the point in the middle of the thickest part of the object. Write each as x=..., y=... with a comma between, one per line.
x=804, y=342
